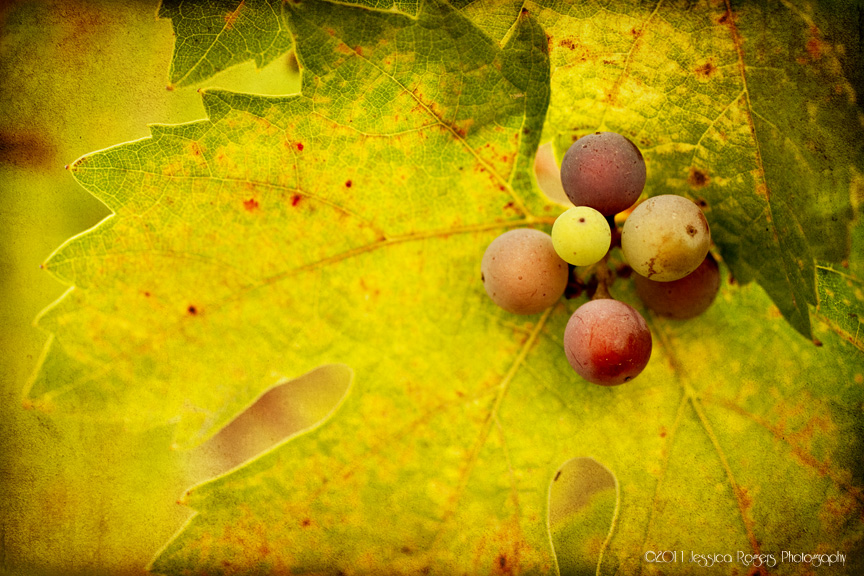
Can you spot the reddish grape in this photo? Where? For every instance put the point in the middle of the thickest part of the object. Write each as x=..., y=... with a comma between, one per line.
x=605, y=171
x=607, y=342
x=522, y=273
x=685, y=298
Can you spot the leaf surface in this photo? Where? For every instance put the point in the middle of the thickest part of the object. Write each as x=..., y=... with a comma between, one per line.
x=214, y=35
x=346, y=225
x=736, y=107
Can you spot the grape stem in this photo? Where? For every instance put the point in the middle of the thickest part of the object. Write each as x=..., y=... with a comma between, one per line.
x=604, y=279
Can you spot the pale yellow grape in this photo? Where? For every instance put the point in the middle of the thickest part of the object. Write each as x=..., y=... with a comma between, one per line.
x=581, y=236
x=665, y=238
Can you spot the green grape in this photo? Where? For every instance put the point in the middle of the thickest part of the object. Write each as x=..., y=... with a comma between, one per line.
x=581, y=236
x=665, y=238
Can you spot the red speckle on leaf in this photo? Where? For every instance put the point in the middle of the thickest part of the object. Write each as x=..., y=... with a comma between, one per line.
x=305, y=522
x=358, y=50
x=295, y=200
x=196, y=148
x=169, y=87
x=146, y=294
x=300, y=146
x=348, y=184
x=251, y=205
x=662, y=432
x=814, y=45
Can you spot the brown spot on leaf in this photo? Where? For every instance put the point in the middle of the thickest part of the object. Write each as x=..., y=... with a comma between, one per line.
x=744, y=498
x=726, y=17
x=146, y=294
x=706, y=70
x=26, y=150
x=196, y=149
x=292, y=63
x=662, y=432
x=567, y=43
x=192, y=310
x=697, y=178
x=817, y=342
x=557, y=476
x=251, y=205
x=305, y=522
x=231, y=17
x=295, y=199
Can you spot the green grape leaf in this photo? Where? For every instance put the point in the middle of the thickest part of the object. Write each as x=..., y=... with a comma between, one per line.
x=346, y=225
x=214, y=35
x=841, y=302
x=297, y=192
x=711, y=121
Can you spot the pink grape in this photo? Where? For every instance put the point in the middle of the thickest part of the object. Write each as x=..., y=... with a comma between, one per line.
x=522, y=273
x=607, y=342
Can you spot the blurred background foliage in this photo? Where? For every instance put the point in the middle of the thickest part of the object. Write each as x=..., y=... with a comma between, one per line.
x=77, y=76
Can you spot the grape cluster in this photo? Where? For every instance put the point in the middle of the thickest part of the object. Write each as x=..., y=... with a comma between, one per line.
x=665, y=240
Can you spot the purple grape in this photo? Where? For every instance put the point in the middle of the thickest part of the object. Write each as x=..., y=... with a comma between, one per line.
x=685, y=298
x=607, y=342
x=605, y=171
x=522, y=273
